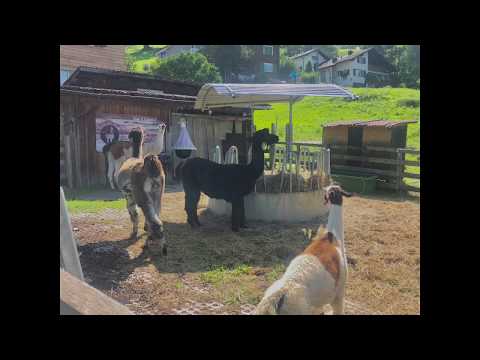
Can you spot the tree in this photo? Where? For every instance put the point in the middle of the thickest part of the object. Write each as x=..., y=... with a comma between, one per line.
x=227, y=58
x=187, y=67
x=308, y=67
x=147, y=47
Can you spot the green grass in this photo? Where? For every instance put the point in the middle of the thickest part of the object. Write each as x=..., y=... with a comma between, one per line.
x=374, y=104
x=141, y=57
x=222, y=275
x=93, y=206
x=311, y=113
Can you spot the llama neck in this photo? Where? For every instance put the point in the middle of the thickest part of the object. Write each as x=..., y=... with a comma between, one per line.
x=257, y=162
x=335, y=224
x=137, y=150
x=158, y=144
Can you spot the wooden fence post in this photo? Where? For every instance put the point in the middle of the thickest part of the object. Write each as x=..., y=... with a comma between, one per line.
x=272, y=149
x=68, y=246
x=399, y=170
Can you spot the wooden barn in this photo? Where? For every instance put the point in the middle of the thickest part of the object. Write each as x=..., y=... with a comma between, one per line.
x=369, y=148
x=92, y=97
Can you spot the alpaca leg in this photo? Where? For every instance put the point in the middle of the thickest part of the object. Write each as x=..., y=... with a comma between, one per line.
x=242, y=213
x=191, y=200
x=157, y=204
x=236, y=215
x=132, y=210
x=155, y=226
x=111, y=171
x=338, y=305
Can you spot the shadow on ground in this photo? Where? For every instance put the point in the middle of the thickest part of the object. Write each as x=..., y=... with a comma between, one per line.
x=214, y=245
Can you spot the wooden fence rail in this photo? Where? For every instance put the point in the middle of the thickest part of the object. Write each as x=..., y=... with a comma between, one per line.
x=79, y=298
x=76, y=296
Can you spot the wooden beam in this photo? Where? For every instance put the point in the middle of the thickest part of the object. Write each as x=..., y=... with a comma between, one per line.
x=365, y=170
x=411, y=175
x=410, y=151
x=68, y=246
x=79, y=298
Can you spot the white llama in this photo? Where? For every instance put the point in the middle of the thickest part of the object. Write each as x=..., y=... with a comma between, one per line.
x=316, y=277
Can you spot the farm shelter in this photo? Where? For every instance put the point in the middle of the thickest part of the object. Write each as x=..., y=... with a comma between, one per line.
x=92, y=96
x=366, y=148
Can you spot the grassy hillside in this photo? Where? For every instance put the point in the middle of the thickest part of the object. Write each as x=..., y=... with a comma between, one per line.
x=311, y=113
x=140, y=57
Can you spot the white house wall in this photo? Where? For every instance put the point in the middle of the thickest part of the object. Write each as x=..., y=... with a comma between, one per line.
x=346, y=65
x=301, y=62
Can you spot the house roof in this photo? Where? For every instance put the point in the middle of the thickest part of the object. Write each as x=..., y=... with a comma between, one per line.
x=138, y=94
x=371, y=123
x=330, y=62
x=308, y=52
x=72, y=80
x=242, y=95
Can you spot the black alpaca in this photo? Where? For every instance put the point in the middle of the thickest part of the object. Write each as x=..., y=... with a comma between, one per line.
x=228, y=182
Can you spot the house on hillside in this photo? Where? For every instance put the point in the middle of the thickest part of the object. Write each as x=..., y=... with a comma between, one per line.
x=171, y=50
x=263, y=67
x=314, y=56
x=101, y=56
x=363, y=68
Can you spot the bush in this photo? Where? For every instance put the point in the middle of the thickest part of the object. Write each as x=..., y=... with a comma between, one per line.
x=286, y=67
x=187, y=67
x=309, y=77
x=414, y=103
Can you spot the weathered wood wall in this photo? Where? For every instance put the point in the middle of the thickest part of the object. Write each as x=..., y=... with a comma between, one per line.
x=85, y=167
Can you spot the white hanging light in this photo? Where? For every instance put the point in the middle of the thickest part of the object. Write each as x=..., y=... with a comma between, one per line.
x=184, y=145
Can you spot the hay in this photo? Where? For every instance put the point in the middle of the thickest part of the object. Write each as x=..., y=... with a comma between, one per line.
x=303, y=183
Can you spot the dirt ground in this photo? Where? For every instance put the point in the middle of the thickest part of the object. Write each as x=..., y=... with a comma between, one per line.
x=212, y=270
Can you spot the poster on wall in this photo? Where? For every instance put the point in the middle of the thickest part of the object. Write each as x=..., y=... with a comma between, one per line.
x=113, y=127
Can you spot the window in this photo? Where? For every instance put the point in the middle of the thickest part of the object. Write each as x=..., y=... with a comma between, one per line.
x=267, y=67
x=162, y=54
x=64, y=75
x=361, y=60
x=315, y=58
x=354, y=72
x=267, y=50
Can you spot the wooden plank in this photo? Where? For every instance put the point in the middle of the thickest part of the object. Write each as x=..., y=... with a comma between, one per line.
x=411, y=163
x=410, y=151
x=364, y=159
x=80, y=298
x=68, y=157
x=411, y=175
x=411, y=188
x=364, y=170
x=68, y=245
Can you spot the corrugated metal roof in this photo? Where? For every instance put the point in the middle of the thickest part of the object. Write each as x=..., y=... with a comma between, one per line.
x=140, y=93
x=220, y=95
x=371, y=123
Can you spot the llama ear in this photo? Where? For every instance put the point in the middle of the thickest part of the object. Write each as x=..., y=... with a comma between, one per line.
x=347, y=194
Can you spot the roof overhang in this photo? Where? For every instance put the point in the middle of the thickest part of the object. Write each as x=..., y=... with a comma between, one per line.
x=248, y=95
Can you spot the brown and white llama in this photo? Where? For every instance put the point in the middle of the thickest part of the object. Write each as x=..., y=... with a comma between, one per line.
x=142, y=182
x=117, y=152
x=316, y=277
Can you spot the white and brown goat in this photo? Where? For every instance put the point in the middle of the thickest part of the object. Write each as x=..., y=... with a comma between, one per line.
x=142, y=182
x=316, y=277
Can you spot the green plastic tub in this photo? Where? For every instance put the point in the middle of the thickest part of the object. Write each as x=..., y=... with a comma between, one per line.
x=357, y=184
